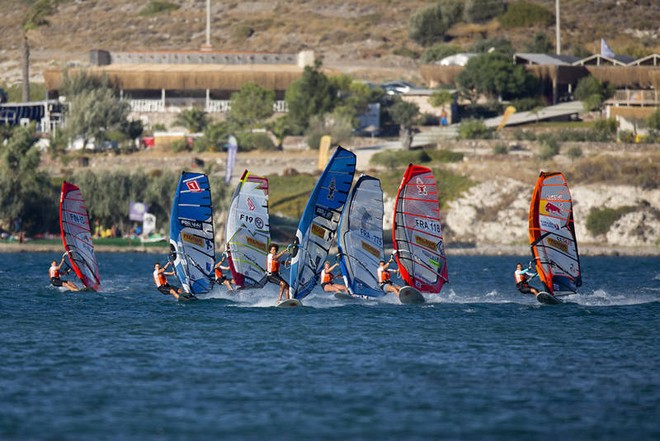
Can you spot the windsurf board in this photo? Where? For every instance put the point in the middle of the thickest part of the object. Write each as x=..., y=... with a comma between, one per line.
x=410, y=296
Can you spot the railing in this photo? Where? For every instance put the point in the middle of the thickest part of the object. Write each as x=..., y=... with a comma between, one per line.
x=177, y=104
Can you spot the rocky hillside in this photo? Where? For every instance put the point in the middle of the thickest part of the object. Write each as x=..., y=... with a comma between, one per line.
x=368, y=38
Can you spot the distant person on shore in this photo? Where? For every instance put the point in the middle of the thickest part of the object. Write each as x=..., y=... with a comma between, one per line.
x=384, y=277
x=273, y=270
x=522, y=277
x=55, y=273
x=160, y=279
x=220, y=278
x=326, y=279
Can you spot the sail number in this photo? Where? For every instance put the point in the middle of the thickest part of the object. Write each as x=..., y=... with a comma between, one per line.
x=373, y=238
x=424, y=224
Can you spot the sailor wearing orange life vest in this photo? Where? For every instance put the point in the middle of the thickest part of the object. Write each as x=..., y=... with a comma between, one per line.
x=273, y=270
x=220, y=278
x=383, y=274
x=522, y=277
x=55, y=271
x=160, y=279
x=326, y=279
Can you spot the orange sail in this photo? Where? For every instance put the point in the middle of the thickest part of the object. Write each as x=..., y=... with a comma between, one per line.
x=552, y=234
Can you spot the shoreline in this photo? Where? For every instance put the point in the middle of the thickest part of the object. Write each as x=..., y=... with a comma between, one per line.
x=476, y=250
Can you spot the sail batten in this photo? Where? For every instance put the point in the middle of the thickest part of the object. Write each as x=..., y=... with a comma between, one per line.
x=191, y=233
x=248, y=231
x=417, y=231
x=319, y=222
x=552, y=234
x=77, y=236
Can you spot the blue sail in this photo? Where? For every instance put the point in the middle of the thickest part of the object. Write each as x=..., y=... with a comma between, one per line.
x=318, y=224
x=191, y=233
x=360, y=238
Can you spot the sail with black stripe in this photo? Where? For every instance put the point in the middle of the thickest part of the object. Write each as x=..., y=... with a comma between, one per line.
x=318, y=225
x=191, y=233
x=360, y=239
x=417, y=231
x=248, y=231
x=552, y=234
x=77, y=236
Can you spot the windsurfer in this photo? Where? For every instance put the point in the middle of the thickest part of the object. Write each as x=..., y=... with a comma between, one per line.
x=160, y=279
x=220, y=278
x=55, y=271
x=326, y=279
x=273, y=270
x=522, y=277
x=384, y=280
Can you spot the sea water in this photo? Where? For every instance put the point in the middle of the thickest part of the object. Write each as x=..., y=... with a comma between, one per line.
x=479, y=361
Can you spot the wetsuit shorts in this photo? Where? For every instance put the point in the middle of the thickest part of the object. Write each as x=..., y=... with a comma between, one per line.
x=56, y=281
x=221, y=280
x=524, y=288
x=274, y=278
x=165, y=289
x=382, y=285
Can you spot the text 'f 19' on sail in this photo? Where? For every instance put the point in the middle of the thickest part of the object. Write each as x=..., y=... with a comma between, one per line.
x=248, y=231
x=191, y=233
x=417, y=232
x=552, y=234
x=361, y=237
x=77, y=236
x=319, y=221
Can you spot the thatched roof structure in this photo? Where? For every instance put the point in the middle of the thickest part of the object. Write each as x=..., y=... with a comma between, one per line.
x=224, y=77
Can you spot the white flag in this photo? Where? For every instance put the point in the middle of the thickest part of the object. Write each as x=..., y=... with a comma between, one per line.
x=148, y=224
x=232, y=148
x=605, y=50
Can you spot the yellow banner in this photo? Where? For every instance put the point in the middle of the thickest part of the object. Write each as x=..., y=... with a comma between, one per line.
x=324, y=149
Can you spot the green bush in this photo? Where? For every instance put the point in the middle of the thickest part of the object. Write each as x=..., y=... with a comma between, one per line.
x=480, y=11
x=406, y=52
x=474, y=129
x=603, y=130
x=549, y=146
x=428, y=26
x=500, y=149
x=180, y=145
x=522, y=14
x=444, y=155
x=156, y=7
x=600, y=220
x=392, y=159
x=626, y=136
x=257, y=141
x=439, y=51
x=524, y=135
x=574, y=152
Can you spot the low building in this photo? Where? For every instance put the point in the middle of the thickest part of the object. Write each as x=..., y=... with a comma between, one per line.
x=166, y=82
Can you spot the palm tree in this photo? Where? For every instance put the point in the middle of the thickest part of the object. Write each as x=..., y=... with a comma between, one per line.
x=34, y=18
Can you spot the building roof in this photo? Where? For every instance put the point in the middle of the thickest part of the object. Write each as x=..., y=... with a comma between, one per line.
x=597, y=59
x=544, y=59
x=190, y=76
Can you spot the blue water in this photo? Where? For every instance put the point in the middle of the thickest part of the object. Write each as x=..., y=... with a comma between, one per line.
x=479, y=361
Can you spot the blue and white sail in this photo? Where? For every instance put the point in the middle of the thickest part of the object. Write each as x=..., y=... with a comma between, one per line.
x=361, y=237
x=319, y=222
x=191, y=233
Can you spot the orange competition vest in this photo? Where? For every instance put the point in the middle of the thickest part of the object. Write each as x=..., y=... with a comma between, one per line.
x=383, y=275
x=326, y=277
x=159, y=278
x=272, y=264
x=54, y=272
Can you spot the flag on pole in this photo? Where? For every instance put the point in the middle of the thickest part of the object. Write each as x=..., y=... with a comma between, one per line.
x=605, y=50
x=232, y=148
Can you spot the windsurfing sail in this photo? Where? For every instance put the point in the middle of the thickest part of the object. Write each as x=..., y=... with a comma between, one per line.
x=77, y=236
x=417, y=231
x=319, y=221
x=191, y=233
x=360, y=237
x=248, y=231
x=552, y=234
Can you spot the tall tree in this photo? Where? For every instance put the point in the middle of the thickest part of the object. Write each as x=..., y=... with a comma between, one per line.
x=252, y=105
x=25, y=192
x=313, y=94
x=35, y=17
x=405, y=114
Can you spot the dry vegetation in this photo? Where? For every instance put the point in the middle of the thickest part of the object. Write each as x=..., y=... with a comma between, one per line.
x=357, y=36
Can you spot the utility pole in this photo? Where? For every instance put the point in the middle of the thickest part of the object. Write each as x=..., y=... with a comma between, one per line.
x=558, y=31
x=208, y=21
